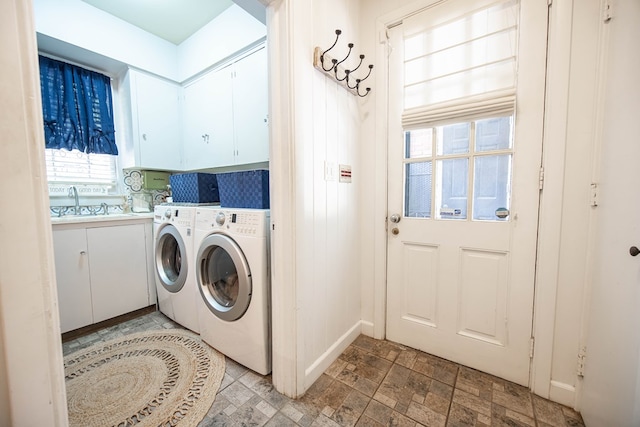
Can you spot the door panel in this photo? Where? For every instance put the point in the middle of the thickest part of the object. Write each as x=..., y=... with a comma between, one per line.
x=483, y=289
x=461, y=260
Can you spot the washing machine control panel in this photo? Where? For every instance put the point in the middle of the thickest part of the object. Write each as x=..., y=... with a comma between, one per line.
x=184, y=217
x=244, y=222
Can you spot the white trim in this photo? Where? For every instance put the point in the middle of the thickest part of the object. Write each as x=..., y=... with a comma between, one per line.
x=284, y=313
x=562, y=393
x=32, y=363
x=550, y=218
x=315, y=370
x=380, y=183
x=592, y=250
x=368, y=328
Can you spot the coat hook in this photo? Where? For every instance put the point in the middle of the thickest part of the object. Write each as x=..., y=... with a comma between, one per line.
x=347, y=79
x=335, y=67
x=347, y=72
x=368, y=74
x=346, y=75
x=367, y=90
x=338, y=32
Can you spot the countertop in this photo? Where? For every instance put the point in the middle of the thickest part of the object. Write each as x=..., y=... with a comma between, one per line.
x=83, y=219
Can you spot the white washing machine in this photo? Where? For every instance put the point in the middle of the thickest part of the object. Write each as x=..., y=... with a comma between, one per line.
x=173, y=260
x=233, y=278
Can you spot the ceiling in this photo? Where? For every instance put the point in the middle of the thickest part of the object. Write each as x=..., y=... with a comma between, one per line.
x=172, y=20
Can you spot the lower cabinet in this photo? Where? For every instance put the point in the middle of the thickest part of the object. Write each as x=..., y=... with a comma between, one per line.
x=102, y=272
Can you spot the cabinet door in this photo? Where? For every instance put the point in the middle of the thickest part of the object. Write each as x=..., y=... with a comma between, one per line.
x=208, y=121
x=156, y=124
x=72, y=277
x=250, y=109
x=118, y=270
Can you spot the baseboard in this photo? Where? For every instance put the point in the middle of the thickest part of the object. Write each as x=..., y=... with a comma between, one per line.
x=313, y=372
x=367, y=328
x=562, y=393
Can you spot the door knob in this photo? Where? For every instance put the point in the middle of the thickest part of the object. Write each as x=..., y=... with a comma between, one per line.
x=633, y=251
x=395, y=218
x=395, y=231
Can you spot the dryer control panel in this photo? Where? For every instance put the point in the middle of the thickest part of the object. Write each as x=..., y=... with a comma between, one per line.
x=249, y=222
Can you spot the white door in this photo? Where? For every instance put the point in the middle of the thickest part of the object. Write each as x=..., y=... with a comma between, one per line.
x=611, y=389
x=464, y=162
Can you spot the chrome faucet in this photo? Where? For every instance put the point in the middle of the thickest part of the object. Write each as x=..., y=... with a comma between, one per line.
x=73, y=192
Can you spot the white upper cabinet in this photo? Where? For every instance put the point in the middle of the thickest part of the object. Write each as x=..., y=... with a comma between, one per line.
x=154, y=141
x=208, y=121
x=226, y=115
x=251, y=109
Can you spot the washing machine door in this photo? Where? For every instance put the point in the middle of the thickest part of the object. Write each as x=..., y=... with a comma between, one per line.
x=171, y=262
x=224, y=278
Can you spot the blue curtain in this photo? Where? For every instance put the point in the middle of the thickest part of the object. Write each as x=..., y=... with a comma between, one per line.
x=77, y=108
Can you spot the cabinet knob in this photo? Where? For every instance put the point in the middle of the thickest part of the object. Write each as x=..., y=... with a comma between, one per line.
x=144, y=136
x=83, y=252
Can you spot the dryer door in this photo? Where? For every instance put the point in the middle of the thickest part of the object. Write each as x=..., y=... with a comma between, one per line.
x=224, y=278
x=171, y=263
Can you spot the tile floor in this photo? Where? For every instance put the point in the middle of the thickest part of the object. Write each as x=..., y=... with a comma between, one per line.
x=373, y=383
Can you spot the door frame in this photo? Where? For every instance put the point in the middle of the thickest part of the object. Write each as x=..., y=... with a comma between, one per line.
x=550, y=217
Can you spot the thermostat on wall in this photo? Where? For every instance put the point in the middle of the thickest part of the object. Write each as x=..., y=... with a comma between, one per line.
x=345, y=173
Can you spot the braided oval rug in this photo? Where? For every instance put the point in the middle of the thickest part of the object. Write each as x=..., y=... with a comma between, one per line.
x=155, y=378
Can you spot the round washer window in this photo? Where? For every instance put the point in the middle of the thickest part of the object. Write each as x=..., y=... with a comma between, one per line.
x=224, y=278
x=171, y=266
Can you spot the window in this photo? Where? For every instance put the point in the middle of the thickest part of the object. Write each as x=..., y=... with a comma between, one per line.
x=79, y=129
x=95, y=173
x=481, y=150
x=459, y=106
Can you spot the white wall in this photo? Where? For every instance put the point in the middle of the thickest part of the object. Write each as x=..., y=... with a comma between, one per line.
x=231, y=31
x=314, y=122
x=81, y=32
x=82, y=25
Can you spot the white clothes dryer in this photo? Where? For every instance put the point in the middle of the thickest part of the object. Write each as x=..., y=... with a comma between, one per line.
x=233, y=278
x=173, y=259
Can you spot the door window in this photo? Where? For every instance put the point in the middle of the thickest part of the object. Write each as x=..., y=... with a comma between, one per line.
x=472, y=169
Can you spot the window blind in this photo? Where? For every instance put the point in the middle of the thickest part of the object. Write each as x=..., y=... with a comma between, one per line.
x=459, y=66
x=75, y=167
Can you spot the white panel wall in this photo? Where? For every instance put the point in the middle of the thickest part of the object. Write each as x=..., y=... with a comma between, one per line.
x=318, y=124
x=328, y=124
